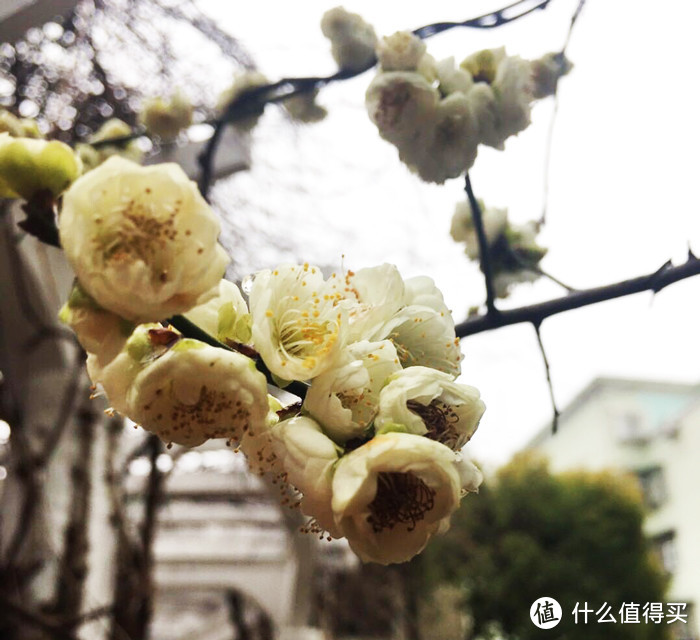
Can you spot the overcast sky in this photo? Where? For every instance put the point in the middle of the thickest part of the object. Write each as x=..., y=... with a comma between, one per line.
x=622, y=189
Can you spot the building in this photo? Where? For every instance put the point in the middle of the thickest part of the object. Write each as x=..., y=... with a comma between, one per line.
x=651, y=429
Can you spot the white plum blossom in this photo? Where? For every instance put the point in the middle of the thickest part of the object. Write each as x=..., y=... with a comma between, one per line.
x=514, y=95
x=308, y=457
x=194, y=392
x=401, y=51
x=225, y=316
x=353, y=40
x=299, y=323
x=495, y=221
x=482, y=103
x=429, y=403
x=423, y=330
x=503, y=109
x=403, y=105
x=377, y=293
x=513, y=249
x=141, y=240
x=483, y=65
x=452, y=79
x=99, y=331
x=450, y=146
x=344, y=399
x=396, y=491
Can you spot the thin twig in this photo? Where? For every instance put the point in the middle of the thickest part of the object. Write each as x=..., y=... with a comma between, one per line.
x=65, y=411
x=535, y=268
x=553, y=119
x=191, y=330
x=487, y=21
x=555, y=410
x=484, y=249
x=545, y=274
x=667, y=274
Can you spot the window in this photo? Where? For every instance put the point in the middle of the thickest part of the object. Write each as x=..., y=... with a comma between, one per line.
x=630, y=427
x=653, y=487
x=665, y=548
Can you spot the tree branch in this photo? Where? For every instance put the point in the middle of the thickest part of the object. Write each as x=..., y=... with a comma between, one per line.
x=667, y=274
x=73, y=566
x=191, y=330
x=555, y=419
x=484, y=249
x=34, y=619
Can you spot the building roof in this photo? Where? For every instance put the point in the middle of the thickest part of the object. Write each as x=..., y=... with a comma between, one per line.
x=597, y=385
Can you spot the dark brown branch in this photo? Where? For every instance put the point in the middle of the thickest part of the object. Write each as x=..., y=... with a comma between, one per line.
x=488, y=20
x=555, y=410
x=536, y=313
x=484, y=248
x=65, y=411
x=154, y=494
x=34, y=619
x=73, y=567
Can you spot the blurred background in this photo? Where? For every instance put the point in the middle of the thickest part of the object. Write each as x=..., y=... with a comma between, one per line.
x=106, y=534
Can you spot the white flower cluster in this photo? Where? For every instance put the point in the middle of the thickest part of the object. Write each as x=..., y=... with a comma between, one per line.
x=437, y=114
x=513, y=249
x=373, y=452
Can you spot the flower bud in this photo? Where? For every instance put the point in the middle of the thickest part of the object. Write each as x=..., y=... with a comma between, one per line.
x=353, y=40
x=166, y=119
x=28, y=166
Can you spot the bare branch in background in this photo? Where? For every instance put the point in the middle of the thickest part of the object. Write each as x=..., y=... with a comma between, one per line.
x=73, y=567
x=555, y=112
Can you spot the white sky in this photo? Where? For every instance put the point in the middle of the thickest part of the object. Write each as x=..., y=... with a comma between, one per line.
x=622, y=189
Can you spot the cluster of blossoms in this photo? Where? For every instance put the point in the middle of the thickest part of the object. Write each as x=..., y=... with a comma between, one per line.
x=372, y=453
x=437, y=113
x=513, y=249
